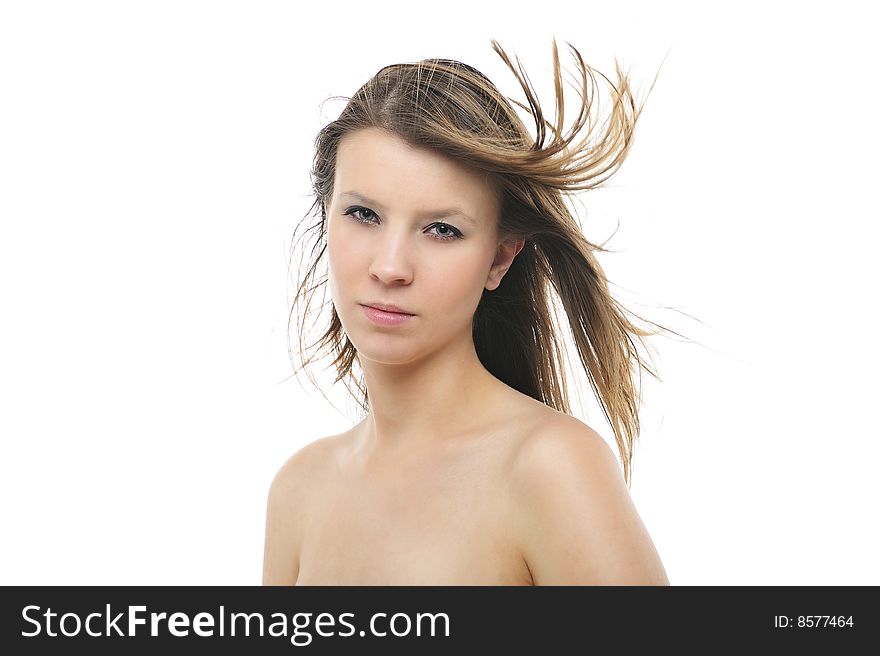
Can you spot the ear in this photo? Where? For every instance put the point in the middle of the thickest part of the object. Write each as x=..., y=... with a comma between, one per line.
x=507, y=250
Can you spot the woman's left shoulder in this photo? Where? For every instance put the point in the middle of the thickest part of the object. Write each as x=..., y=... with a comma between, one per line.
x=546, y=433
x=574, y=520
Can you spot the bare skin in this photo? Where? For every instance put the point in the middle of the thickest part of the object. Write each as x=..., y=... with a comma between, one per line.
x=462, y=515
x=453, y=477
x=438, y=517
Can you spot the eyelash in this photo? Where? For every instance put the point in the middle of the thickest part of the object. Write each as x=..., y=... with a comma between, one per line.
x=456, y=233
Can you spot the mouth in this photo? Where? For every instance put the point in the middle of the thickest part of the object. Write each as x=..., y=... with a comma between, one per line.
x=384, y=317
x=387, y=307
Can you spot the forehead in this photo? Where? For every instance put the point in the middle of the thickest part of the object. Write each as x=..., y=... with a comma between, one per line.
x=379, y=165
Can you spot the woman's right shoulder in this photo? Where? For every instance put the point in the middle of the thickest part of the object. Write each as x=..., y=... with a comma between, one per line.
x=308, y=462
x=289, y=506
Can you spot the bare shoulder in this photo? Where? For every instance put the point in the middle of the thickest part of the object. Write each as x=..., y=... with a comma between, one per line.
x=558, y=438
x=287, y=508
x=574, y=519
x=305, y=464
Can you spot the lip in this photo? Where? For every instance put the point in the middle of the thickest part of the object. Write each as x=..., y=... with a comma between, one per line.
x=387, y=307
x=385, y=318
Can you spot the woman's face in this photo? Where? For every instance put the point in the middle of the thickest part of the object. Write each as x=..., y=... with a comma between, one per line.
x=391, y=240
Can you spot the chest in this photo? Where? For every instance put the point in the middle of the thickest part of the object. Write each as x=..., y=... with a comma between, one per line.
x=430, y=524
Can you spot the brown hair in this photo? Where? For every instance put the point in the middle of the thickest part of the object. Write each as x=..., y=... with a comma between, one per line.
x=454, y=109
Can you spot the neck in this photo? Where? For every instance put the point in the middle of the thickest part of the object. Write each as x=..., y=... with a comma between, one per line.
x=416, y=406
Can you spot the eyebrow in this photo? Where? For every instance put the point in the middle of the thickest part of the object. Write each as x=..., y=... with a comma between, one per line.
x=437, y=214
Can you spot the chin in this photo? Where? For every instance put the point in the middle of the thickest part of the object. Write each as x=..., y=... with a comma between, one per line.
x=384, y=358
x=377, y=346
x=384, y=349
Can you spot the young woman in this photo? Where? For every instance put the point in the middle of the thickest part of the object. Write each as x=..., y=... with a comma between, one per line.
x=444, y=227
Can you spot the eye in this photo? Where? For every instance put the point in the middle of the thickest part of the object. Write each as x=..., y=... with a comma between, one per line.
x=352, y=211
x=446, y=231
x=450, y=232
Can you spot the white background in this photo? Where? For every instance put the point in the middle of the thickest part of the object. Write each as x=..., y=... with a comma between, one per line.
x=154, y=162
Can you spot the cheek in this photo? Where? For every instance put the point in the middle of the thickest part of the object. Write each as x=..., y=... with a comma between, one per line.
x=339, y=264
x=342, y=254
x=458, y=284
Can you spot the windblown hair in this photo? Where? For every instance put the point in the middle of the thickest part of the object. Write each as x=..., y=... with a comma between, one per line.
x=453, y=109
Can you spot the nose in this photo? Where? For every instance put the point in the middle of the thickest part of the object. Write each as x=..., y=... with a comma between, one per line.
x=390, y=263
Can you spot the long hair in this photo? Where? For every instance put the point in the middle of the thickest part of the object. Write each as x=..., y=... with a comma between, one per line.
x=452, y=108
